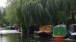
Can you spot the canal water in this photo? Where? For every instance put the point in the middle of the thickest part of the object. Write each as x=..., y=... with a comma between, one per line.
x=10, y=36
x=15, y=36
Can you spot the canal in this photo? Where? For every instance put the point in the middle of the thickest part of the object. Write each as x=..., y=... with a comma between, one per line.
x=15, y=36
x=10, y=36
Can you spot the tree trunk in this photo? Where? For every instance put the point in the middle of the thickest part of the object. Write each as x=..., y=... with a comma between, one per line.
x=73, y=15
x=24, y=33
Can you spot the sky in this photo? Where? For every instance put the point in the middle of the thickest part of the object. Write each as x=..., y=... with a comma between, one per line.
x=3, y=3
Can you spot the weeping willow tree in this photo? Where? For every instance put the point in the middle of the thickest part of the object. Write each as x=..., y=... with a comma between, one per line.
x=3, y=21
x=34, y=13
x=37, y=13
x=58, y=10
x=11, y=11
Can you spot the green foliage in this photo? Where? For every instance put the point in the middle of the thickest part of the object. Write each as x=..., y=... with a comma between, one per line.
x=40, y=12
x=3, y=21
x=11, y=11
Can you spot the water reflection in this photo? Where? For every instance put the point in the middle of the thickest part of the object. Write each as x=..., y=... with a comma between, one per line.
x=10, y=37
x=32, y=39
x=16, y=37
